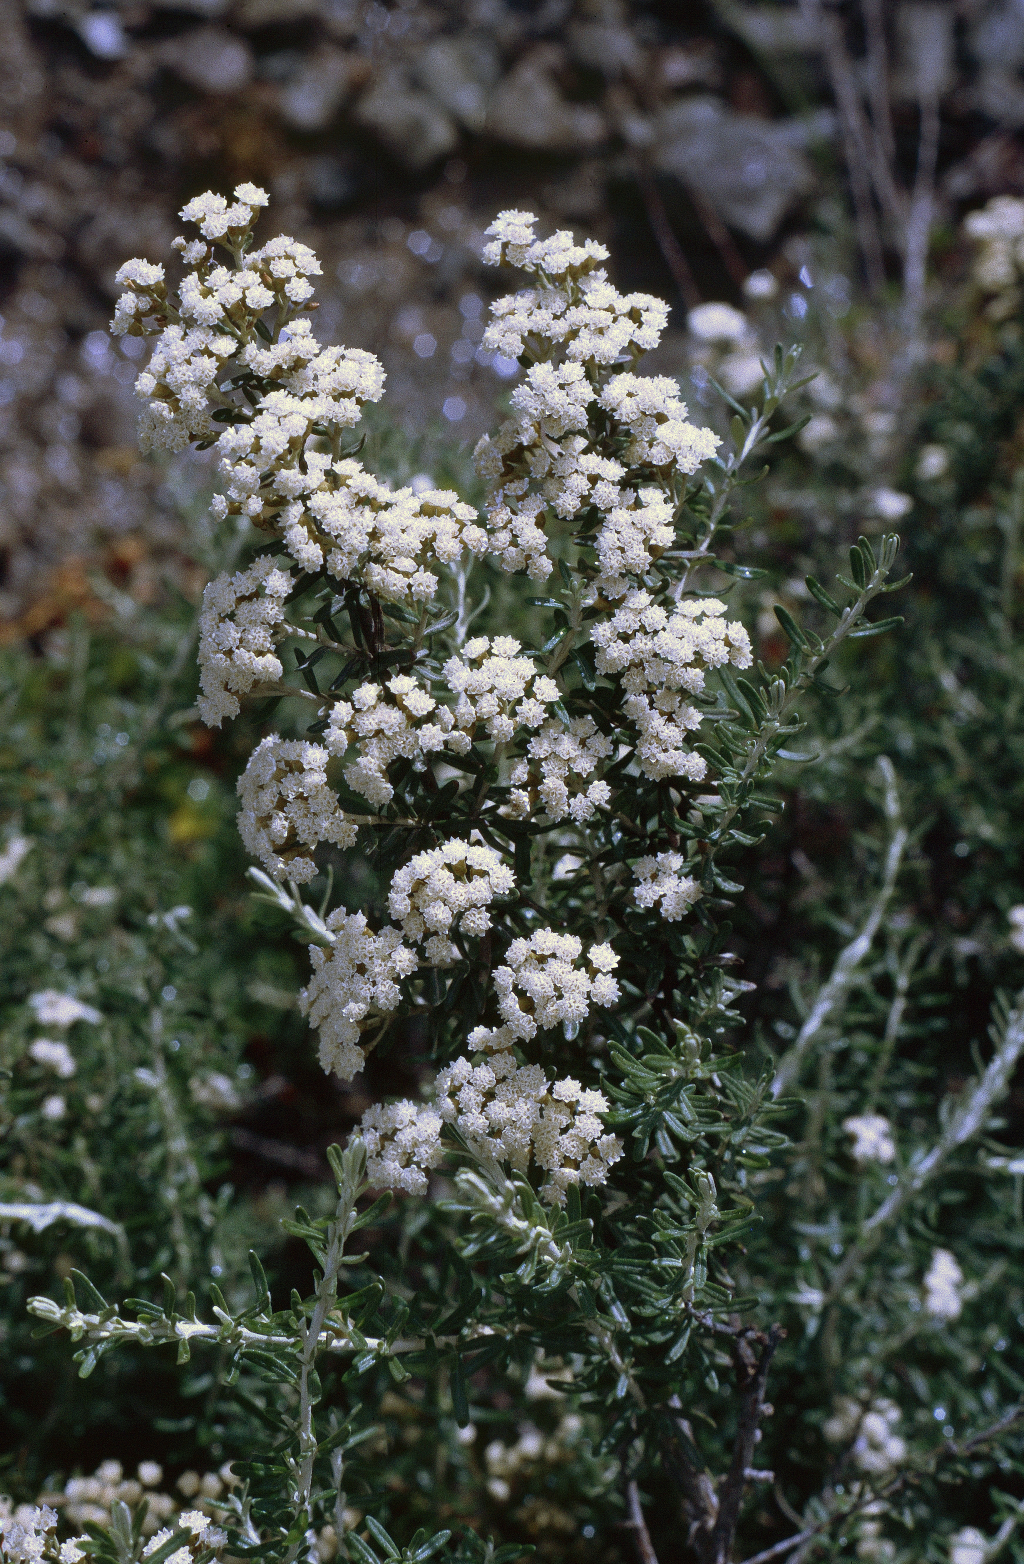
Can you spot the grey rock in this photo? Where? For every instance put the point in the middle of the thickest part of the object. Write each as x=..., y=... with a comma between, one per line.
x=750, y=170
x=528, y=109
x=773, y=29
x=103, y=35
x=311, y=100
x=409, y=122
x=458, y=72
x=210, y=59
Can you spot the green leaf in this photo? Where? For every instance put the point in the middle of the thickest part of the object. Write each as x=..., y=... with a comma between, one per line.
x=355, y=1544
x=744, y=572
x=791, y=628
x=259, y=1278
x=381, y=1538
x=95, y=1300
x=824, y=598
x=879, y=627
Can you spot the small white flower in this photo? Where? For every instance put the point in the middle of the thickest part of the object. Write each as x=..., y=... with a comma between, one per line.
x=891, y=504
x=14, y=852
x=55, y=1056
x=968, y=1546
x=717, y=323
x=942, y=1284
x=53, y=1008
x=872, y=1137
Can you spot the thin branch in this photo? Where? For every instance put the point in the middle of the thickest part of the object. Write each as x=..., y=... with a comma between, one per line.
x=838, y=984
x=963, y=1125
x=638, y=1526
x=878, y=78
x=855, y=139
x=751, y=1377
x=668, y=244
x=919, y=226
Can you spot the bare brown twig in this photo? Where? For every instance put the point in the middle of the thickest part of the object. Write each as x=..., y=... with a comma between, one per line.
x=713, y=1515
x=636, y=1522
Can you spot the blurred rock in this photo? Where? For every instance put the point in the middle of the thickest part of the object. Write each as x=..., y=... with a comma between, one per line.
x=332, y=183
x=409, y=122
x=103, y=35
x=459, y=72
x=606, y=46
x=312, y=99
x=528, y=108
x=775, y=29
x=750, y=170
x=210, y=59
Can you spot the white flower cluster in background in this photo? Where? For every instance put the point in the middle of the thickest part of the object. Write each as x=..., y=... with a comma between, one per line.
x=660, y=879
x=877, y=1447
x=52, y=1008
x=942, y=1283
x=725, y=343
x=445, y=888
x=238, y=625
x=545, y=981
x=287, y=805
x=55, y=1056
x=13, y=854
x=576, y=328
x=660, y=656
x=379, y=724
x=968, y=1546
x=556, y=775
x=354, y=985
x=533, y=1454
x=872, y=1138
x=998, y=230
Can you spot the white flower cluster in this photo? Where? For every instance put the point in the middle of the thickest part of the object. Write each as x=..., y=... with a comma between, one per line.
x=15, y=849
x=444, y=888
x=52, y=1008
x=379, y=724
x=998, y=229
x=354, y=985
x=660, y=879
x=238, y=622
x=403, y=1140
x=542, y=982
x=497, y=688
x=55, y=1056
x=969, y=1546
x=658, y=655
x=88, y=1500
x=287, y=805
x=561, y=760
x=333, y=514
x=508, y=1111
x=533, y=1454
x=576, y=326
x=575, y=305
x=649, y=409
x=204, y=1535
x=27, y=1536
x=877, y=1448
x=872, y=1138
x=942, y=1283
